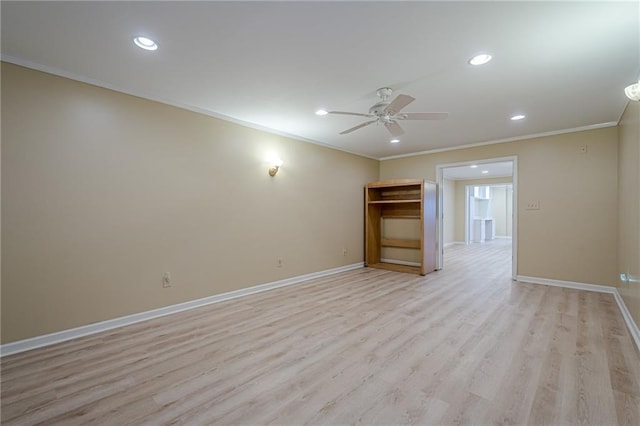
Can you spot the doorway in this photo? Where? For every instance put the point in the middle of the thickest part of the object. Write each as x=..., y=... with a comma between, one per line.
x=488, y=212
x=457, y=227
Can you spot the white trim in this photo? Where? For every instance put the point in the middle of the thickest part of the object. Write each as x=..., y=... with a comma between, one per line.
x=514, y=219
x=631, y=324
x=72, y=76
x=86, y=330
x=456, y=179
x=514, y=139
x=400, y=262
x=439, y=217
x=628, y=319
x=482, y=161
x=566, y=284
x=467, y=219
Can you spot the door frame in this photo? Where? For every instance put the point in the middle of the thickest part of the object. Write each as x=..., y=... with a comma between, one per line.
x=514, y=233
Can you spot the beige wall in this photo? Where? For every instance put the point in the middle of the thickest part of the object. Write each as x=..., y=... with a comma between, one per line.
x=103, y=192
x=501, y=205
x=629, y=208
x=573, y=236
x=449, y=213
x=460, y=200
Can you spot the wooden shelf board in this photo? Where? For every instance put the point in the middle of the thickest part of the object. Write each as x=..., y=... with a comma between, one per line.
x=397, y=268
x=395, y=182
x=393, y=201
x=401, y=243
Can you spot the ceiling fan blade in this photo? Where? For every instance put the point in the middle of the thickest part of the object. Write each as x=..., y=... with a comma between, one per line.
x=394, y=128
x=423, y=116
x=350, y=113
x=359, y=126
x=398, y=103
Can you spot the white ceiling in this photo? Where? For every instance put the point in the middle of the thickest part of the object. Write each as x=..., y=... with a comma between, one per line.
x=493, y=170
x=272, y=64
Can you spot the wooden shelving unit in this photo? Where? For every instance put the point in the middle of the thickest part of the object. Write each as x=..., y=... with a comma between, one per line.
x=406, y=199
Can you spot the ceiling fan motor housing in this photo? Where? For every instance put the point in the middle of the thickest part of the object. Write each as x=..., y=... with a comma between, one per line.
x=378, y=109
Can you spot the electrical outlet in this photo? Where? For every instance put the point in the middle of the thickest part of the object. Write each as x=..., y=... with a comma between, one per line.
x=166, y=279
x=344, y=251
x=279, y=262
x=533, y=205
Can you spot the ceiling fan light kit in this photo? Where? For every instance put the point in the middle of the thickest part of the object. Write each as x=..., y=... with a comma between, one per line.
x=633, y=91
x=388, y=113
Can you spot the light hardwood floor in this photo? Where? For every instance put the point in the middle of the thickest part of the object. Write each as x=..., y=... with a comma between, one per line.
x=464, y=345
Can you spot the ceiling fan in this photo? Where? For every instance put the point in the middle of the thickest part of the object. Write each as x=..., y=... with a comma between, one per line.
x=388, y=113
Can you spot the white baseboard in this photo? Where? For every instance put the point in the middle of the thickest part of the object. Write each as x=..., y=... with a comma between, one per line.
x=628, y=319
x=631, y=324
x=567, y=284
x=86, y=330
x=453, y=243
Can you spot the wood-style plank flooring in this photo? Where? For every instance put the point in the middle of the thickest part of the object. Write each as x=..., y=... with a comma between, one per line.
x=464, y=345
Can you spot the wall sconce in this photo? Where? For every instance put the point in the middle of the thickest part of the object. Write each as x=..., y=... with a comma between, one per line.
x=633, y=91
x=275, y=167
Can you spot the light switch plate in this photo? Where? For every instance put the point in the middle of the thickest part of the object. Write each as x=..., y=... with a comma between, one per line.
x=533, y=205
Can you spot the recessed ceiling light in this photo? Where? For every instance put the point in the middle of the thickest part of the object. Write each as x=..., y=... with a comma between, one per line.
x=322, y=112
x=145, y=43
x=484, y=172
x=480, y=59
x=394, y=140
x=517, y=117
x=474, y=166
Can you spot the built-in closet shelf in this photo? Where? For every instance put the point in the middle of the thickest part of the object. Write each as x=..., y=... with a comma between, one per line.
x=393, y=201
x=398, y=215
x=400, y=199
x=400, y=243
